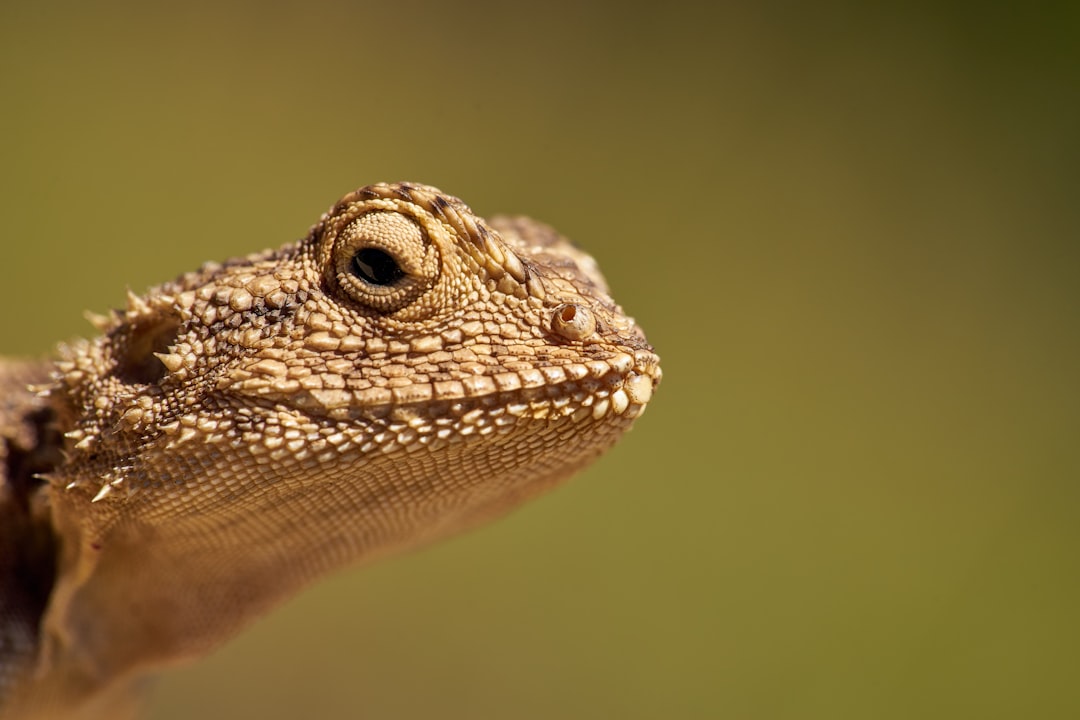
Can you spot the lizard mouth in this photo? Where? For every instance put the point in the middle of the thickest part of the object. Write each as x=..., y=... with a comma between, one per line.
x=605, y=395
x=618, y=385
x=623, y=388
x=598, y=390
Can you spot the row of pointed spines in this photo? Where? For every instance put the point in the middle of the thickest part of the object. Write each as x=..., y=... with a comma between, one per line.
x=69, y=370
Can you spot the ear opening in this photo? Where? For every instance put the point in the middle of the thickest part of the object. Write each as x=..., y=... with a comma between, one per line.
x=137, y=364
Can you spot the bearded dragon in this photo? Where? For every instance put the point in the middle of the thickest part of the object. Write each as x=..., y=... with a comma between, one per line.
x=405, y=371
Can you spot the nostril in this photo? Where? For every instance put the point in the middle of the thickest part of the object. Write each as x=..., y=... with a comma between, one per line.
x=573, y=322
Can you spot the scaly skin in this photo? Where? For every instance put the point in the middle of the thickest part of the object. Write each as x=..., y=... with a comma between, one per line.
x=404, y=372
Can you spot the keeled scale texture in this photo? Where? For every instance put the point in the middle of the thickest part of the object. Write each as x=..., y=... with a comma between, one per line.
x=238, y=432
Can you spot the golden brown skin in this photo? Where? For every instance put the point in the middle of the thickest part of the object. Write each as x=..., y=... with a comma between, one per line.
x=404, y=372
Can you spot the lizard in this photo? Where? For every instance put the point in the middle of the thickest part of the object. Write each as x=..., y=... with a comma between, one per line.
x=405, y=371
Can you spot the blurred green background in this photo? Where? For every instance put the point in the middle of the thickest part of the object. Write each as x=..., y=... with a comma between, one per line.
x=851, y=231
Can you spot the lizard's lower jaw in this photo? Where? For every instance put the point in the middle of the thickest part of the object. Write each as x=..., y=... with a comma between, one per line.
x=495, y=453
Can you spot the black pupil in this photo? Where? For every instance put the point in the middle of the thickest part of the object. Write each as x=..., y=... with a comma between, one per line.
x=376, y=266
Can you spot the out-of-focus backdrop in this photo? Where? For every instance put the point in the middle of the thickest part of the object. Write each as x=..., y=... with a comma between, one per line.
x=852, y=232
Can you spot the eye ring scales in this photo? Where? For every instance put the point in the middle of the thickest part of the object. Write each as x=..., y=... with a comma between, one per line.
x=384, y=260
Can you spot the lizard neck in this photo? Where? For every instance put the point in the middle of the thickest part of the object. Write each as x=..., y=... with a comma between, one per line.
x=135, y=595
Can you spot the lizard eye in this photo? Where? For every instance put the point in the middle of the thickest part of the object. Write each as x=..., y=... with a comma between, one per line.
x=376, y=267
x=383, y=260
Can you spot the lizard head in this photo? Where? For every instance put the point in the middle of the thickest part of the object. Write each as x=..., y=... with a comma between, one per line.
x=405, y=370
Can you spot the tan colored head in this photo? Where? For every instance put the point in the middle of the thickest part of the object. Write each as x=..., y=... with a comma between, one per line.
x=405, y=371
x=402, y=327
